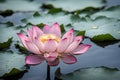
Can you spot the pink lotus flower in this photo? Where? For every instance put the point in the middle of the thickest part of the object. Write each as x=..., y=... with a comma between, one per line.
x=48, y=44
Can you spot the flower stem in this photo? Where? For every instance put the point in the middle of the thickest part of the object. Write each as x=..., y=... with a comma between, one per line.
x=48, y=72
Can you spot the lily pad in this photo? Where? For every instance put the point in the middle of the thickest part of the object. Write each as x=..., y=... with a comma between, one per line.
x=98, y=73
x=49, y=19
x=73, y=5
x=99, y=26
x=10, y=60
x=19, y=5
x=113, y=12
x=16, y=19
x=103, y=37
x=10, y=32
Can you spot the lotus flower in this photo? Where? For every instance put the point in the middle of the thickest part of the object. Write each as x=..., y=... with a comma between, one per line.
x=50, y=46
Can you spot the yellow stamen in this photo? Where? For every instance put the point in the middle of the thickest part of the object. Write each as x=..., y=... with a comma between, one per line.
x=46, y=37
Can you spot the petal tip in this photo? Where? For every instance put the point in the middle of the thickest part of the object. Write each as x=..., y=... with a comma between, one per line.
x=19, y=34
x=56, y=23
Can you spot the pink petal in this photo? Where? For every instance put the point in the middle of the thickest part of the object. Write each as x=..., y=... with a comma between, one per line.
x=63, y=44
x=50, y=45
x=36, y=31
x=33, y=59
x=23, y=38
x=30, y=34
x=74, y=44
x=55, y=29
x=68, y=59
x=69, y=35
x=39, y=44
x=54, y=63
x=82, y=48
x=50, y=57
x=46, y=29
x=32, y=47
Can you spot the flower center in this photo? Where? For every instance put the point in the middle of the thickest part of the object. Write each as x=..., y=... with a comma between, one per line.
x=46, y=37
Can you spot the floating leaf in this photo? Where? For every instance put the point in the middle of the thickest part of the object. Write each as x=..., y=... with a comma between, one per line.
x=49, y=19
x=10, y=32
x=36, y=14
x=98, y=73
x=15, y=19
x=40, y=25
x=14, y=74
x=9, y=61
x=62, y=28
x=99, y=26
x=54, y=10
x=82, y=33
x=103, y=37
x=6, y=44
x=112, y=12
x=6, y=13
x=19, y=5
x=13, y=71
x=75, y=18
x=73, y=5
x=104, y=40
x=9, y=24
x=21, y=48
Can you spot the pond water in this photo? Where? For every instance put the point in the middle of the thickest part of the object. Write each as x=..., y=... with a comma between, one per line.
x=98, y=55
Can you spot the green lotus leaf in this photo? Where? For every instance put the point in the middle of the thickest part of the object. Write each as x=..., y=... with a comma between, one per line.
x=10, y=60
x=112, y=12
x=98, y=73
x=74, y=5
x=99, y=26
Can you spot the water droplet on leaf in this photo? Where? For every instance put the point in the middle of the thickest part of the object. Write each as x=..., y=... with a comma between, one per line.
x=94, y=27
